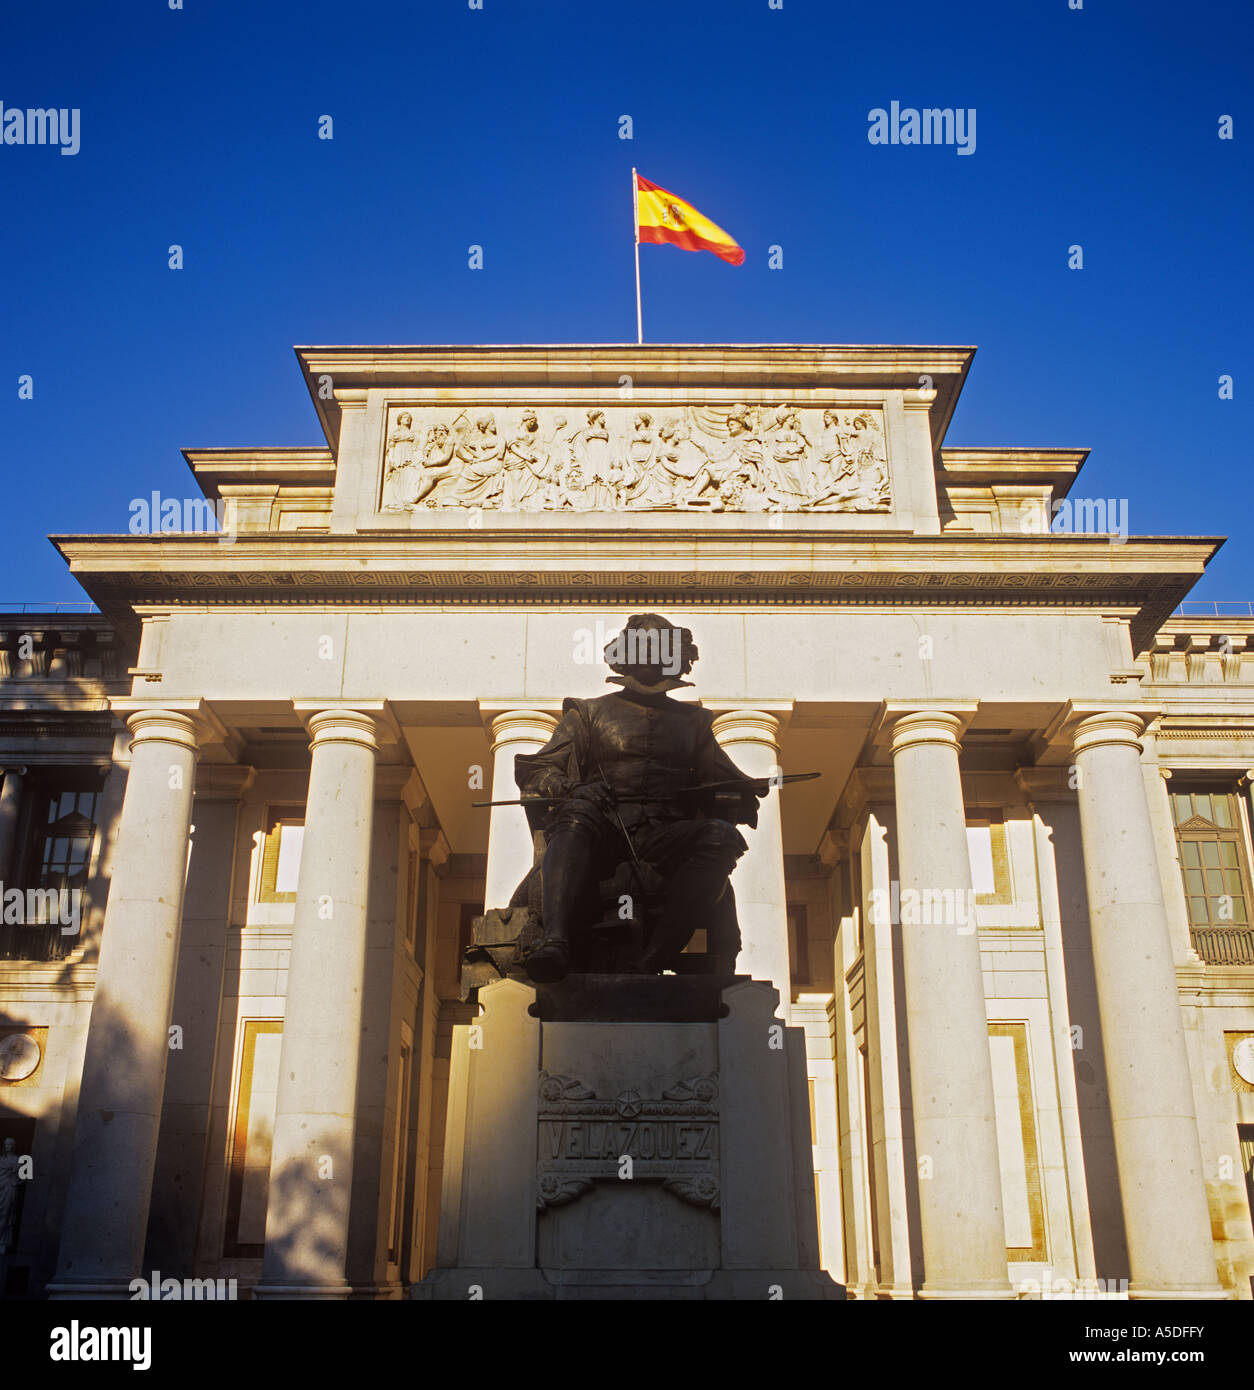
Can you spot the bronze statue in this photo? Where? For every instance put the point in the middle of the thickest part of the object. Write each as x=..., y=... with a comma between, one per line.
x=637, y=806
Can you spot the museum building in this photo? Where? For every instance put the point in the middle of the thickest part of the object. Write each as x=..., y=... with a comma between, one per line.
x=1009, y=924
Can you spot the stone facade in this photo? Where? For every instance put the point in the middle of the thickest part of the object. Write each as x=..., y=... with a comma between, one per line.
x=1025, y=998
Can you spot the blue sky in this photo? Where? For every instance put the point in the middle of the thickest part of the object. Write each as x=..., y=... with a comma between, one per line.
x=500, y=127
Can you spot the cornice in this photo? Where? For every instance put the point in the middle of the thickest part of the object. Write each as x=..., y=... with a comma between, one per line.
x=991, y=560
x=758, y=367
x=998, y=467
x=291, y=467
x=1143, y=578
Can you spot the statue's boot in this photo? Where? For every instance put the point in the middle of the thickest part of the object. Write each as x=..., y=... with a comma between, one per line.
x=550, y=961
x=690, y=901
x=565, y=877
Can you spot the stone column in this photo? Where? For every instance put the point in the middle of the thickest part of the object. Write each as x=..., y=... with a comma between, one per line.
x=120, y=1097
x=509, y=838
x=182, y=1157
x=951, y=1071
x=10, y=807
x=1157, y=1148
x=311, y=1162
x=751, y=739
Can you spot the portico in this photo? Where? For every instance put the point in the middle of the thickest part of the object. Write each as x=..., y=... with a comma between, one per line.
x=324, y=698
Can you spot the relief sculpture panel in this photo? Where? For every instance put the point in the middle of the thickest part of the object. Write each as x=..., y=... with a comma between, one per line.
x=736, y=458
x=672, y=1139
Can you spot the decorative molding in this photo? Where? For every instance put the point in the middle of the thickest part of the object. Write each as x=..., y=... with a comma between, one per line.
x=1218, y=732
x=703, y=1089
x=697, y=1192
x=556, y=1088
x=68, y=725
x=553, y=1190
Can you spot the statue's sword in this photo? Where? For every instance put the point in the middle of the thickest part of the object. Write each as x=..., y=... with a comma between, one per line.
x=635, y=858
x=731, y=785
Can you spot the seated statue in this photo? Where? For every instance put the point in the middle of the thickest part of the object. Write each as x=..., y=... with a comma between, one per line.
x=635, y=807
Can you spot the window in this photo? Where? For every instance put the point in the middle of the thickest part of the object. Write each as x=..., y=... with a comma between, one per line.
x=56, y=839
x=1212, y=859
x=1210, y=837
x=280, y=854
x=986, y=849
x=252, y=1131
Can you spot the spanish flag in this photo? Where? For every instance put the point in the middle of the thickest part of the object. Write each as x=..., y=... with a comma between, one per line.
x=662, y=217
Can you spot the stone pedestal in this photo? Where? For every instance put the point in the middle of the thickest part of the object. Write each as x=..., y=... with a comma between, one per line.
x=596, y=1156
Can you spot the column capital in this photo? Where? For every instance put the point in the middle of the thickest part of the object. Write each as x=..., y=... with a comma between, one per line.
x=163, y=726
x=521, y=725
x=341, y=725
x=927, y=726
x=1120, y=727
x=892, y=715
x=748, y=726
x=17, y=769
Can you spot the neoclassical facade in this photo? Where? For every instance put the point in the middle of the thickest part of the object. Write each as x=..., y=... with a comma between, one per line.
x=241, y=856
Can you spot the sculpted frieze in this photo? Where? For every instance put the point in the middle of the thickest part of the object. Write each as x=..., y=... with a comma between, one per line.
x=712, y=458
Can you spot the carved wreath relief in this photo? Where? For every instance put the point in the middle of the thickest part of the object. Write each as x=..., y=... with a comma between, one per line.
x=739, y=458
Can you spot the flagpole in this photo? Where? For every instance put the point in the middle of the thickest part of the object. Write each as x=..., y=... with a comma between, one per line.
x=635, y=219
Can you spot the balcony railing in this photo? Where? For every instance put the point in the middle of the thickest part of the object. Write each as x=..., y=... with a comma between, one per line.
x=83, y=606
x=1216, y=608
x=1224, y=945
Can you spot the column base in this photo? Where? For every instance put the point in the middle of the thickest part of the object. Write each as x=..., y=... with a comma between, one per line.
x=323, y=1292
x=89, y=1291
x=982, y=1293
x=379, y=1293
x=1149, y=1293
x=626, y=1285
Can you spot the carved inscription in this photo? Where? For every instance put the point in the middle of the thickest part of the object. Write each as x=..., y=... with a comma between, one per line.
x=713, y=458
x=672, y=1139
x=579, y=1139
